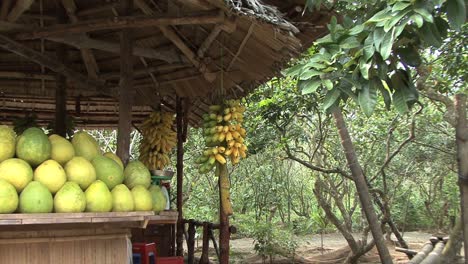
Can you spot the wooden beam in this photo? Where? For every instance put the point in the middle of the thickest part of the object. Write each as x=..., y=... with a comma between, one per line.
x=84, y=42
x=180, y=176
x=61, y=97
x=96, y=9
x=208, y=41
x=18, y=9
x=4, y=9
x=23, y=75
x=143, y=71
x=124, y=22
x=6, y=26
x=80, y=80
x=170, y=34
x=198, y=4
x=87, y=54
x=126, y=89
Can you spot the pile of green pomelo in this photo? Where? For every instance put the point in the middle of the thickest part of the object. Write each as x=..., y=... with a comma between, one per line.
x=40, y=174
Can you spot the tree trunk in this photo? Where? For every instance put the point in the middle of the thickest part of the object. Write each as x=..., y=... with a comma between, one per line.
x=224, y=233
x=180, y=177
x=361, y=186
x=462, y=158
x=449, y=255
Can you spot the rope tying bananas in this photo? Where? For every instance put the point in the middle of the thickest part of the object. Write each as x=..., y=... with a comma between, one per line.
x=224, y=135
x=159, y=139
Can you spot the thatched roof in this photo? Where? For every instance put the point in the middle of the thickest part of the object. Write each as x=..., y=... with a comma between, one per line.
x=186, y=48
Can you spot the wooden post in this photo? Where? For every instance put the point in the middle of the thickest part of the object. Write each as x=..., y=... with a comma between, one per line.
x=126, y=88
x=462, y=158
x=206, y=244
x=180, y=176
x=191, y=241
x=224, y=233
x=60, y=87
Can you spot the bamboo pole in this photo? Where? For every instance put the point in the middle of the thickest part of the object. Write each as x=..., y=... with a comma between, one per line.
x=224, y=209
x=462, y=158
x=180, y=176
x=426, y=249
x=435, y=256
x=126, y=89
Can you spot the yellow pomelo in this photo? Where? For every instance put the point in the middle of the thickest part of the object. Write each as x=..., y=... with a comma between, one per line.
x=7, y=143
x=51, y=174
x=98, y=197
x=36, y=198
x=70, y=199
x=17, y=172
x=8, y=198
x=142, y=198
x=85, y=145
x=81, y=171
x=122, y=199
x=159, y=199
x=115, y=158
x=33, y=146
x=62, y=149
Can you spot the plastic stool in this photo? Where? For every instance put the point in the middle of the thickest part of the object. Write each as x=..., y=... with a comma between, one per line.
x=144, y=253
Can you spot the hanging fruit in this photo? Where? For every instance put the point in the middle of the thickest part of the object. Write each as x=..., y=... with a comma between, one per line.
x=159, y=138
x=224, y=135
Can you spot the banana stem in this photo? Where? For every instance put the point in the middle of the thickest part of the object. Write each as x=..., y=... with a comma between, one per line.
x=224, y=185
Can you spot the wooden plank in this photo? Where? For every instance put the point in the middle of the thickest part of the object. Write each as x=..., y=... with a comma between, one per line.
x=126, y=89
x=75, y=215
x=84, y=42
x=123, y=22
x=80, y=80
x=18, y=9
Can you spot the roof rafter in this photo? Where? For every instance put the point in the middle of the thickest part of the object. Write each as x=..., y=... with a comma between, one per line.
x=87, y=54
x=18, y=9
x=79, y=79
x=123, y=22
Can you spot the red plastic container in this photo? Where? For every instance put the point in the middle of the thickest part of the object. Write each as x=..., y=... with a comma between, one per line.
x=170, y=260
x=145, y=250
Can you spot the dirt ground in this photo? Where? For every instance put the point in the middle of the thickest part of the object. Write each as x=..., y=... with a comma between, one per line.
x=310, y=250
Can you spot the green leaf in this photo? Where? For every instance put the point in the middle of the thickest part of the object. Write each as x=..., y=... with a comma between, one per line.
x=356, y=30
x=400, y=5
x=328, y=84
x=425, y=14
x=429, y=33
x=386, y=45
x=394, y=20
x=294, y=70
x=380, y=16
x=418, y=20
x=399, y=101
x=330, y=98
x=309, y=86
x=364, y=67
x=309, y=74
x=367, y=99
x=410, y=56
x=456, y=13
x=325, y=40
x=378, y=37
x=368, y=48
x=350, y=43
x=385, y=93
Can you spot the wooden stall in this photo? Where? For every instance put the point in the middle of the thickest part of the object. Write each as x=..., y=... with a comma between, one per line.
x=109, y=64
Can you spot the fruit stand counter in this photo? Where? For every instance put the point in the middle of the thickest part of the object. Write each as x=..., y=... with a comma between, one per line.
x=70, y=238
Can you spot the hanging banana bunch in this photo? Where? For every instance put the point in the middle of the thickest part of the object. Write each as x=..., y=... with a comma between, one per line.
x=159, y=139
x=224, y=135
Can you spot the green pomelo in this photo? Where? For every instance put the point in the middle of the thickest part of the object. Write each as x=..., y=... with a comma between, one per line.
x=85, y=145
x=142, y=198
x=115, y=158
x=98, y=197
x=17, y=172
x=136, y=173
x=8, y=198
x=122, y=199
x=36, y=198
x=7, y=143
x=33, y=146
x=108, y=171
x=62, y=150
x=70, y=199
x=158, y=198
x=81, y=171
x=51, y=174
